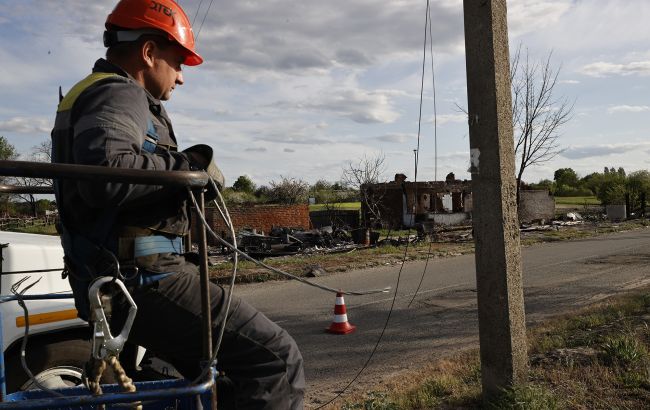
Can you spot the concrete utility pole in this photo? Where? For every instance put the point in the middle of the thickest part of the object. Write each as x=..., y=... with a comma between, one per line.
x=502, y=326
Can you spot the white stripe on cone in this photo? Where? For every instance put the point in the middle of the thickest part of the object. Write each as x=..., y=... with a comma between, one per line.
x=339, y=300
x=340, y=318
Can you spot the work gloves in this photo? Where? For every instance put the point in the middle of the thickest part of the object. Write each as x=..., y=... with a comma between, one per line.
x=201, y=157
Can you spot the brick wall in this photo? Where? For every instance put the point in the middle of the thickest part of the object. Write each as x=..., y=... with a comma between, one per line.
x=259, y=217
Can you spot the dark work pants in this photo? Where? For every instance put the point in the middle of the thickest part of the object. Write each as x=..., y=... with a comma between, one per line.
x=260, y=358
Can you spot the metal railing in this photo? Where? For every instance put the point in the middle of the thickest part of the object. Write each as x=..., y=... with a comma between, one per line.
x=195, y=180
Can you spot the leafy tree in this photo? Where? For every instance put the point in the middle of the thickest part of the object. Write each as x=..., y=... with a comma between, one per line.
x=322, y=192
x=566, y=176
x=7, y=152
x=233, y=197
x=637, y=185
x=621, y=171
x=611, y=190
x=546, y=184
x=244, y=184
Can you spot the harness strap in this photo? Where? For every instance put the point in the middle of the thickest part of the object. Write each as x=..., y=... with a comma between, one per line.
x=152, y=244
x=151, y=139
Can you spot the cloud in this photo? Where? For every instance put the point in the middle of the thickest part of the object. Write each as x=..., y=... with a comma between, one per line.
x=571, y=82
x=25, y=125
x=588, y=151
x=289, y=150
x=353, y=57
x=628, y=108
x=604, y=69
x=396, y=138
x=358, y=105
x=258, y=149
x=451, y=118
x=282, y=36
x=526, y=16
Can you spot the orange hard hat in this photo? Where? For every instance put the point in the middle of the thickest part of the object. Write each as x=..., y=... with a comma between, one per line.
x=164, y=15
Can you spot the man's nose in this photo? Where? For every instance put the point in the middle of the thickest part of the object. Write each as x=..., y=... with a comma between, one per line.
x=179, y=77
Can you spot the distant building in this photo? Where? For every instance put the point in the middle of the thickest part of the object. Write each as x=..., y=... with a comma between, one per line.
x=404, y=204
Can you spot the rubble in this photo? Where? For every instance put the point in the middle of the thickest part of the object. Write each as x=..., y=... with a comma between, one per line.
x=289, y=241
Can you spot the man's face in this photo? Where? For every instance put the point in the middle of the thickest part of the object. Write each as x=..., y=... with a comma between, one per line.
x=166, y=71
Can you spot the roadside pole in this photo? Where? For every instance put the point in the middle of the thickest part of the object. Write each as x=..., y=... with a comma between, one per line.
x=502, y=328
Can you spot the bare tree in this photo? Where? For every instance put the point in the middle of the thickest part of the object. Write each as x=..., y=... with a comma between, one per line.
x=40, y=153
x=364, y=176
x=288, y=191
x=537, y=114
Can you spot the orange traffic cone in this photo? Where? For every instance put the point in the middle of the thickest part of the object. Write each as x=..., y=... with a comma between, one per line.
x=340, y=325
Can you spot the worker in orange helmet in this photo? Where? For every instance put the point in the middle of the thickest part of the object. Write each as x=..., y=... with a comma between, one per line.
x=114, y=117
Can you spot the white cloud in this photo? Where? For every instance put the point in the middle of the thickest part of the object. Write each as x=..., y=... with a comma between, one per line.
x=571, y=82
x=604, y=69
x=355, y=104
x=628, y=108
x=589, y=151
x=532, y=15
x=451, y=118
x=396, y=138
x=26, y=125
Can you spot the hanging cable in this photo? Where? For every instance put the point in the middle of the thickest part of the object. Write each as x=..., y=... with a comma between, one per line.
x=435, y=141
x=399, y=274
x=281, y=272
x=225, y=216
x=203, y=21
x=435, y=110
x=197, y=12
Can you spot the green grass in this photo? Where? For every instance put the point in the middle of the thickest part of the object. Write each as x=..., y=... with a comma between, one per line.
x=40, y=229
x=340, y=205
x=611, y=368
x=576, y=200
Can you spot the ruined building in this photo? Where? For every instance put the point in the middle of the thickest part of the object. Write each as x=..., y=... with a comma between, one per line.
x=401, y=203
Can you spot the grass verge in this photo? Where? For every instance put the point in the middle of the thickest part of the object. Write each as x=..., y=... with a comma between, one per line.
x=40, y=229
x=576, y=200
x=596, y=358
x=338, y=205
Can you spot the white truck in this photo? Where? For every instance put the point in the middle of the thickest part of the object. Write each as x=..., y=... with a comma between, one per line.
x=58, y=344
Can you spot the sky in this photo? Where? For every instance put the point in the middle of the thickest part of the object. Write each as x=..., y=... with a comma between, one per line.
x=299, y=89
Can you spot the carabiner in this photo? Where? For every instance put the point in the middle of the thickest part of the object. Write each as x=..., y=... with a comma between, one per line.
x=104, y=344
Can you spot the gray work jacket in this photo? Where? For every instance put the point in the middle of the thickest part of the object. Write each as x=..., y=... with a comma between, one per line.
x=105, y=120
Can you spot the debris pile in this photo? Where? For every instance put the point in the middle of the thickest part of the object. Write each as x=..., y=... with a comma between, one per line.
x=289, y=241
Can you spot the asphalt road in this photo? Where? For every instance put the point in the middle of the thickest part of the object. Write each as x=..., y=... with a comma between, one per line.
x=558, y=277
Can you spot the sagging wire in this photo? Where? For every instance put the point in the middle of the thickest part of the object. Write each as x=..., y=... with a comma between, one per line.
x=279, y=271
x=427, y=23
x=225, y=215
x=15, y=289
x=197, y=12
x=228, y=221
x=435, y=135
x=203, y=21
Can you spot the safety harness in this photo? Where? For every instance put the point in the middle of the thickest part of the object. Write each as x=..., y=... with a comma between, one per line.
x=88, y=257
x=93, y=260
